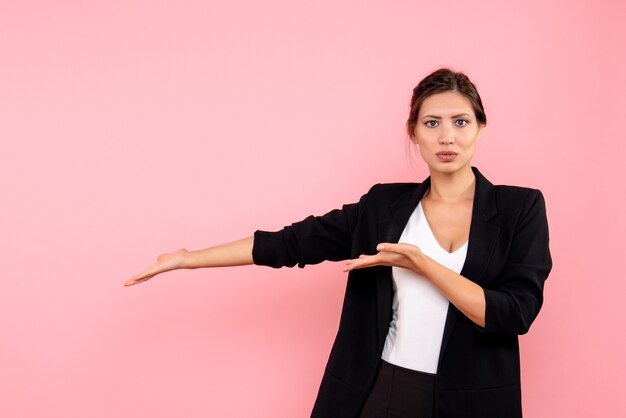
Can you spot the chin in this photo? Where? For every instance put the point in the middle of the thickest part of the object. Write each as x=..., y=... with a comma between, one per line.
x=449, y=167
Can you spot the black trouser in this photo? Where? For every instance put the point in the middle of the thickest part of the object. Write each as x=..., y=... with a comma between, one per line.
x=400, y=393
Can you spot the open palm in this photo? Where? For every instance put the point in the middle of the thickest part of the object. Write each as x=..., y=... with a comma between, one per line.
x=165, y=262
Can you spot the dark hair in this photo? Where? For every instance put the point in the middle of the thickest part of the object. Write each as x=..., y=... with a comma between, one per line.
x=441, y=81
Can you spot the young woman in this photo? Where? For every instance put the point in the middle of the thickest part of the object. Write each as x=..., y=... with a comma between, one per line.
x=443, y=275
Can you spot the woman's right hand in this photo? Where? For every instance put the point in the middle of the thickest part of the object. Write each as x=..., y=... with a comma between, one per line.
x=165, y=262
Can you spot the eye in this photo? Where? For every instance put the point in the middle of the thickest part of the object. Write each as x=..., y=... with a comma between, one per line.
x=431, y=123
x=461, y=122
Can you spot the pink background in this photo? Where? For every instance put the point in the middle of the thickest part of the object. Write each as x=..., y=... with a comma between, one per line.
x=133, y=128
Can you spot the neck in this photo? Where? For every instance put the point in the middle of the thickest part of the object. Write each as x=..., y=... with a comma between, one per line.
x=451, y=187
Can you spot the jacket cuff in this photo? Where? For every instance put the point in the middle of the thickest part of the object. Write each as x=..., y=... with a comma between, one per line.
x=260, y=253
x=269, y=249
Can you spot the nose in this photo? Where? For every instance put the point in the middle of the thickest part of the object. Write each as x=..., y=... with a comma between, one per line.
x=446, y=138
x=446, y=134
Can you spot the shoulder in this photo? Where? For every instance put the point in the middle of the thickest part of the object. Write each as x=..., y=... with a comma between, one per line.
x=513, y=194
x=508, y=192
x=520, y=202
x=517, y=195
x=393, y=188
x=387, y=191
x=510, y=202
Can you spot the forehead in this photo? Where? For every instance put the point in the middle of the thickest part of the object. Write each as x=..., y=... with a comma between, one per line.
x=446, y=104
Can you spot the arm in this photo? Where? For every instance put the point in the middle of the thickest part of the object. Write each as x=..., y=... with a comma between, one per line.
x=514, y=301
x=467, y=296
x=312, y=240
x=463, y=293
x=509, y=306
x=235, y=253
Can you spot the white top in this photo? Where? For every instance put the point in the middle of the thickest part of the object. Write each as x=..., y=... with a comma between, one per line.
x=419, y=309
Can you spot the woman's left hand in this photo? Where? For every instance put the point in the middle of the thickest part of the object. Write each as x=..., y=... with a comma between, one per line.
x=403, y=255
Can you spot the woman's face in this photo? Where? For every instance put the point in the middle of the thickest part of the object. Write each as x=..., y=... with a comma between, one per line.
x=447, y=131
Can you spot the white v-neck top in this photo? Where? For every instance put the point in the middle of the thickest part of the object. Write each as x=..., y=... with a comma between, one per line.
x=419, y=309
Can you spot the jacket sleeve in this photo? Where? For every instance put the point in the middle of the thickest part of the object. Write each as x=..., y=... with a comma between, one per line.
x=513, y=305
x=311, y=240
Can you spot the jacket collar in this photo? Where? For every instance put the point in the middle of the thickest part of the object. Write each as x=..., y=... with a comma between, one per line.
x=484, y=199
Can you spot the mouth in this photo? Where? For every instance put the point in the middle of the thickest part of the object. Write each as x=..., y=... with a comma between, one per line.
x=446, y=155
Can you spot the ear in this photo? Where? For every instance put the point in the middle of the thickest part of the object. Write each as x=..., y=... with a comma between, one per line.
x=481, y=129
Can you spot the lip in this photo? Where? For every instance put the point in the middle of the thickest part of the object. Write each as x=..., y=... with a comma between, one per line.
x=447, y=155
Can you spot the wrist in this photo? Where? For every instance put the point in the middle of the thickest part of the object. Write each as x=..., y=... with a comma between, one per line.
x=425, y=265
x=186, y=261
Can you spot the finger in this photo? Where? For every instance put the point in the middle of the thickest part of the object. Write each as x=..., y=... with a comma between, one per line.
x=132, y=282
x=363, y=261
x=400, y=248
x=353, y=266
x=352, y=262
x=139, y=280
x=141, y=277
x=361, y=257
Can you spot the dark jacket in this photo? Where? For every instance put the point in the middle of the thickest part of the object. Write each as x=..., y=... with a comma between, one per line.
x=478, y=374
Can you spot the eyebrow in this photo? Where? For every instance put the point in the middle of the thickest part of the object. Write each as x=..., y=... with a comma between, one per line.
x=439, y=117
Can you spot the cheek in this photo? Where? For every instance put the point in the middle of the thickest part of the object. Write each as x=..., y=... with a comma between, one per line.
x=420, y=149
x=470, y=140
x=470, y=149
x=424, y=137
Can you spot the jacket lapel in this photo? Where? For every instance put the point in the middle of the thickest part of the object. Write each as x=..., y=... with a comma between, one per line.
x=390, y=230
x=482, y=239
